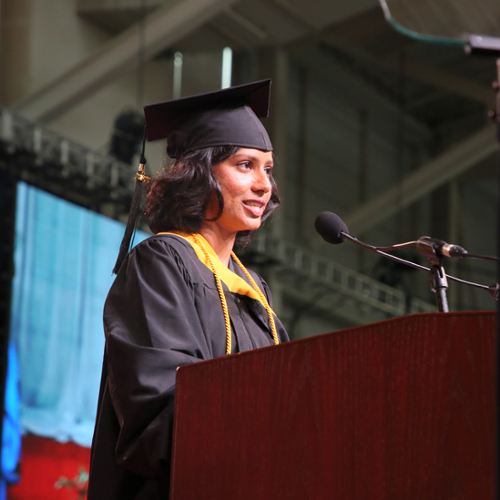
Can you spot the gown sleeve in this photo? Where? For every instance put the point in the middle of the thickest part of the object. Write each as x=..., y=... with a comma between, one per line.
x=151, y=327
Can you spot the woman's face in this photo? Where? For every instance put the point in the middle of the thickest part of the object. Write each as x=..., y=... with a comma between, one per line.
x=245, y=183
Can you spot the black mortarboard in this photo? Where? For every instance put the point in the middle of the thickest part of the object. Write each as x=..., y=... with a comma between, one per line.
x=227, y=117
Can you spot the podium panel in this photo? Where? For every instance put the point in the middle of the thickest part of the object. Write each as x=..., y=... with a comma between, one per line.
x=401, y=409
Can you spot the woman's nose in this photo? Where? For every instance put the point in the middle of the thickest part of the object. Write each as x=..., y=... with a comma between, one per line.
x=262, y=181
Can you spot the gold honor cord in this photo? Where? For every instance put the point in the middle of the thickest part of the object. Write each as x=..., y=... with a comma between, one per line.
x=198, y=239
x=222, y=297
x=262, y=298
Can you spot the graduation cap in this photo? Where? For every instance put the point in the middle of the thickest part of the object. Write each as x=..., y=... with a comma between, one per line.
x=227, y=117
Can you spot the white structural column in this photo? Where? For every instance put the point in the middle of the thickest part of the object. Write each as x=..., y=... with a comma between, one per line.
x=275, y=64
x=163, y=27
x=279, y=104
x=430, y=176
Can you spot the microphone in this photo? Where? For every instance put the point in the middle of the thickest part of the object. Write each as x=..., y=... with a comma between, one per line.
x=334, y=230
x=440, y=248
x=331, y=227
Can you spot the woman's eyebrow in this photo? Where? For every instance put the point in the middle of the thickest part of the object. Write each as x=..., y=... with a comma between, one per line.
x=250, y=157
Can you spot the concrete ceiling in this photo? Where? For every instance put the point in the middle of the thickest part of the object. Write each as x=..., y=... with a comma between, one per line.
x=268, y=21
x=354, y=33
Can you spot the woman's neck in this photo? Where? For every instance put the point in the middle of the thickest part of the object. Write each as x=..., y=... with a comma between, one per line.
x=221, y=242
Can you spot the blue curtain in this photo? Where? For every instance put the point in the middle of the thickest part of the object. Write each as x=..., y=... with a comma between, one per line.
x=64, y=255
x=11, y=430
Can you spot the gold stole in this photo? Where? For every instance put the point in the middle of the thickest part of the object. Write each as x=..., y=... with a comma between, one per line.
x=234, y=283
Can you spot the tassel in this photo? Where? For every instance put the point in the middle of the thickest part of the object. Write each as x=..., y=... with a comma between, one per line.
x=140, y=179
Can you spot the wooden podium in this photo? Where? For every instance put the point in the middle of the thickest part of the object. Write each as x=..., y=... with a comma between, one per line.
x=401, y=409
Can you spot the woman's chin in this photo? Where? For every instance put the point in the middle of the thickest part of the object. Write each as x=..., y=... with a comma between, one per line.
x=252, y=225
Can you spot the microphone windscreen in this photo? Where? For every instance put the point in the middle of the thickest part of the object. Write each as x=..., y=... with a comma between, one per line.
x=329, y=226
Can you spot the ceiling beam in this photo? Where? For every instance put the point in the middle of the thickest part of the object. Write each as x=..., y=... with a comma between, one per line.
x=317, y=16
x=425, y=179
x=162, y=28
x=447, y=81
x=425, y=73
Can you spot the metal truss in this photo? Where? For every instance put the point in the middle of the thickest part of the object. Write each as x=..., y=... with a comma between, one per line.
x=37, y=155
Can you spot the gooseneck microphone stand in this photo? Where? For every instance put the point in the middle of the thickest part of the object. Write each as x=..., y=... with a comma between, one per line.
x=439, y=283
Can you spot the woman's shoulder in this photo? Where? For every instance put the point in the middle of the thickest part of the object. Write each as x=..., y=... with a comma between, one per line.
x=165, y=253
x=162, y=243
x=156, y=254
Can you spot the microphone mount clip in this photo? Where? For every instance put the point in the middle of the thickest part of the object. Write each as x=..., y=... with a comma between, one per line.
x=439, y=283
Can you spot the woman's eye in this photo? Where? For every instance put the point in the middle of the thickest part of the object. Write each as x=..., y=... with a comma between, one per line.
x=244, y=164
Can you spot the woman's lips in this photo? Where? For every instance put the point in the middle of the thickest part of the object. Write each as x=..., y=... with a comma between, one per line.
x=255, y=207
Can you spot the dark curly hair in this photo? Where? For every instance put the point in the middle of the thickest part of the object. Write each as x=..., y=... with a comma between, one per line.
x=179, y=194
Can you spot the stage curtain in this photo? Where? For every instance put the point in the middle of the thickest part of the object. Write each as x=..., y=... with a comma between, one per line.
x=64, y=256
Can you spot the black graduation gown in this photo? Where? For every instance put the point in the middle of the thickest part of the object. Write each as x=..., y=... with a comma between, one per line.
x=163, y=311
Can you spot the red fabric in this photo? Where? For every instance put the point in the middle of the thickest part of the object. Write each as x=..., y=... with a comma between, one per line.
x=43, y=462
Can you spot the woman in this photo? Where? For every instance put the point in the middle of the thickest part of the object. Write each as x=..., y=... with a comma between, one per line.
x=182, y=296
